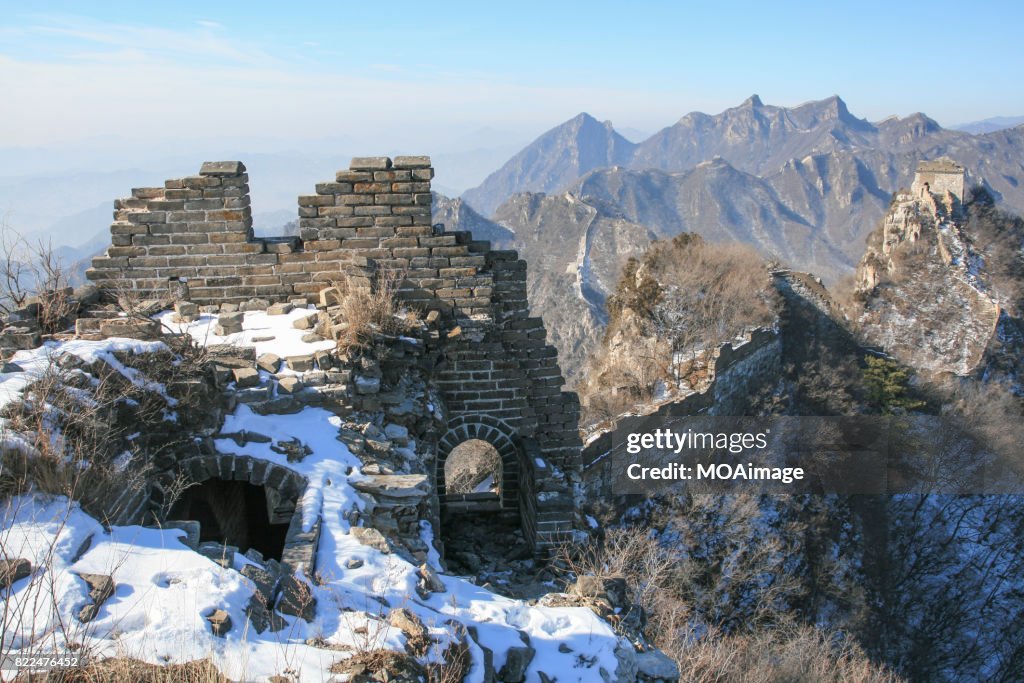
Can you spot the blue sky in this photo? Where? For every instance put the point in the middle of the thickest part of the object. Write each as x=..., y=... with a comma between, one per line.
x=447, y=73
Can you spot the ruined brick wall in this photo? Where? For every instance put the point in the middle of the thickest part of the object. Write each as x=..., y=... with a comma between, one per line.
x=941, y=175
x=739, y=369
x=497, y=370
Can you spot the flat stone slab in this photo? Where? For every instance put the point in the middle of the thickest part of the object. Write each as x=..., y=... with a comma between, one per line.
x=269, y=362
x=306, y=322
x=266, y=583
x=101, y=587
x=314, y=378
x=222, y=168
x=130, y=328
x=330, y=296
x=300, y=363
x=262, y=618
x=394, y=485
x=370, y=164
x=279, y=309
x=246, y=377
x=431, y=581
x=186, y=311
x=296, y=599
x=221, y=554
x=254, y=305
x=231, y=318
x=412, y=162
x=397, y=433
x=367, y=385
x=220, y=622
x=289, y=385
x=656, y=666
x=371, y=538
x=406, y=621
x=191, y=529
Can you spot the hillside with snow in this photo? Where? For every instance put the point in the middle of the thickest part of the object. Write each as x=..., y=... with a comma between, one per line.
x=348, y=585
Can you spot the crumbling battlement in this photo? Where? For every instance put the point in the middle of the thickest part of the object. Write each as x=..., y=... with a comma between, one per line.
x=193, y=238
x=939, y=176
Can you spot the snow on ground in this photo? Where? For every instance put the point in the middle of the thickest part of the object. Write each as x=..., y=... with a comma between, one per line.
x=486, y=486
x=284, y=339
x=34, y=364
x=163, y=589
x=392, y=578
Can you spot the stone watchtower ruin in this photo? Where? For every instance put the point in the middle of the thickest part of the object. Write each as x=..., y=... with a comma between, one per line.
x=938, y=177
x=499, y=378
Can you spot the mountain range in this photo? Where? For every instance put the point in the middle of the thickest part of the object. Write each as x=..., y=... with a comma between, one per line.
x=805, y=185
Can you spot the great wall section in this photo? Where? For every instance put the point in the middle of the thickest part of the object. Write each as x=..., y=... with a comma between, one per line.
x=192, y=240
x=736, y=369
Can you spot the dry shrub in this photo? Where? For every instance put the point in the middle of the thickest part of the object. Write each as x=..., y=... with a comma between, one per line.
x=470, y=463
x=770, y=651
x=630, y=553
x=694, y=293
x=365, y=666
x=68, y=433
x=121, y=669
x=369, y=307
x=798, y=654
x=683, y=297
x=32, y=275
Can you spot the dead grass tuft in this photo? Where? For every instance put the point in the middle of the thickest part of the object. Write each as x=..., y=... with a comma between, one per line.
x=370, y=307
x=122, y=669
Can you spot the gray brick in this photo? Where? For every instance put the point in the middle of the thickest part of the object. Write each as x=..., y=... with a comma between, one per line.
x=412, y=162
x=221, y=168
x=370, y=164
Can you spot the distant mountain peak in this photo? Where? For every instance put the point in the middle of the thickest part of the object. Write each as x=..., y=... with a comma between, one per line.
x=921, y=117
x=752, y=102
x=837, y=105
x=583, y=117
x=559, y=156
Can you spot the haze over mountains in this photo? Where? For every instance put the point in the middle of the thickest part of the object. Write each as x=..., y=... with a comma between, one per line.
x=990, y=125
x=753, y=137
x=804, y=184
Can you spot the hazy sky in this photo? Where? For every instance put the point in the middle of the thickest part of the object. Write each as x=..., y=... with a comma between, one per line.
x=427, y=74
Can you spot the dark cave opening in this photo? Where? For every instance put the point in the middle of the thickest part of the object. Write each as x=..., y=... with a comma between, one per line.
x=234, y=513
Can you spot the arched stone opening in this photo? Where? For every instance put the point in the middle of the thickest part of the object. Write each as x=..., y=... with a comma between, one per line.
x=464, y=433
x=481, y=525
x=473, y=467
x=235, y=513
x=245, y=502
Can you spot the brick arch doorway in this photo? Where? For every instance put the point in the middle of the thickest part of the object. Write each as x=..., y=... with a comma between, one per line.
x=498, y=435
x=281, y=491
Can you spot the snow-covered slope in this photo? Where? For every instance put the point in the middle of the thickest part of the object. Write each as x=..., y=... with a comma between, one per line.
x=169, y=603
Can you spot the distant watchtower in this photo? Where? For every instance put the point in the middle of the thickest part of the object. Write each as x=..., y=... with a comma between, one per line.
x=938, y=177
